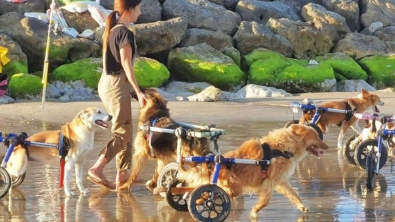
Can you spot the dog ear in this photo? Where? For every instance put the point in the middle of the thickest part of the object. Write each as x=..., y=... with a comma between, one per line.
x=81, y=114
x=134, y=94
x=363, y=91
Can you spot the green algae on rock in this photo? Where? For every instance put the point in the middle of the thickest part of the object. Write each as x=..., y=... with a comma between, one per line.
x=150, y=73
x=24, y=86
x=381, y=70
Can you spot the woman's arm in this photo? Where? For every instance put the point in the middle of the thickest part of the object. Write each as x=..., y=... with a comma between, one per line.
x=126, y=53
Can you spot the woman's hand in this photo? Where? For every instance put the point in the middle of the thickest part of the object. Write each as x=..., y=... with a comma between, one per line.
x=142, y=99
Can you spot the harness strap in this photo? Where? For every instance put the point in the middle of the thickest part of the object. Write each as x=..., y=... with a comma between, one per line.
x=150, y=137
x=64, y=146
x=349, y=114
x=269, y=154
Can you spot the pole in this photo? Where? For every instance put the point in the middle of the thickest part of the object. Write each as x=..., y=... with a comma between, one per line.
x=46, y=60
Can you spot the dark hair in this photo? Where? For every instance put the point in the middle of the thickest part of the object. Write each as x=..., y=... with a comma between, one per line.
x=120, y=7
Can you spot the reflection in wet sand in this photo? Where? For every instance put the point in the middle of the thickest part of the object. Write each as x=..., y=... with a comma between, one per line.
x=331, y=188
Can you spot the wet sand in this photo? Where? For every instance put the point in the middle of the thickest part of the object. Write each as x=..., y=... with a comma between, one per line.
x=331, y=188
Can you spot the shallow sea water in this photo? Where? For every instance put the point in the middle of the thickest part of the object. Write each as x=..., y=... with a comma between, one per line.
x=331, y=188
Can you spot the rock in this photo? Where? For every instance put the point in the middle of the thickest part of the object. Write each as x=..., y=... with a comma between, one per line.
x=349, y=9
x=6, y=99
x=80, y=21
x=318, y=14
x=151, y=11
x=150, y=73
x=233, y=54
x=381, y=69
x=92, y=69
x=345, y=67
x=202, y=14
x=18, y=59
x=375, y=26
x=257, y=91
x=252, y=35
x=308, y=40
x=158, y=36
x=378, y=11
x=70, y=91
x=29, y=6
x=210, y=94
x=358, y=45
x=184, y=89
x=216, y=39
x=24, y=86
x=262, y=11
x=352, y=86
x=203, y=63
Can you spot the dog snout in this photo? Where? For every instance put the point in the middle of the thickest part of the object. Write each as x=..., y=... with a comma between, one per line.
x=109, y=117
x=381, y=103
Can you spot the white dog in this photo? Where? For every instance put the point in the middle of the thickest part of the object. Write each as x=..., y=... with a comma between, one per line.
x=78, y=135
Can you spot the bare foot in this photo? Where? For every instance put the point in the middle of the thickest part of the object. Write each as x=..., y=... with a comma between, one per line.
x=100, y=178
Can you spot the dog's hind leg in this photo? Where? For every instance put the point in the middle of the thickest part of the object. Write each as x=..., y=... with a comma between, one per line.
x=70, y=162
x=286, y=189
x=265, y=194
x=78, y=178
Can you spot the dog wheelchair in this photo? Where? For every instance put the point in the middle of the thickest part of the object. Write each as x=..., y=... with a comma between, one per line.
x=12, y=140
x=315, y=111
x=371, y=155
x=169, y=172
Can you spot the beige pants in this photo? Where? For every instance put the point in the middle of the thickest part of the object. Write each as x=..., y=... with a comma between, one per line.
x=114, y=92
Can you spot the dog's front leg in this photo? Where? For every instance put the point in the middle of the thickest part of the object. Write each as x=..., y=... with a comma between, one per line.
x=355, y=127
x=67, y=176
x=78, y=178
x=286, y=189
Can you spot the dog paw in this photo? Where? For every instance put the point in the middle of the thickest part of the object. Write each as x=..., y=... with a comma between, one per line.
x=150, y=184
x=69, y=194
x=303, y=208
x=84, y=191
x=253, y=215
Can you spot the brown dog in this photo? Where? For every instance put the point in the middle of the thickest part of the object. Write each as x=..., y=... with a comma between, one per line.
x=297, y=139
x=359, y=104
x=164, y=145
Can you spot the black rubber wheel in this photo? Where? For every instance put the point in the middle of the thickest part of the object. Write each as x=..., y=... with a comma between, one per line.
x=5, y=182
x=364, y=148
x=16, y=181
x=319, y=131
x=176, y=201
x=291, y=122
x=209, y=203
x=166, y=177
x=349, y=151
x=371, y=163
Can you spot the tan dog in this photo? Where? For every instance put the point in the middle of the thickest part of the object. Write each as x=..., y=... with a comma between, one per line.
x=80, y=134
x=164, y=145
x=297, y=139
x=359, y=104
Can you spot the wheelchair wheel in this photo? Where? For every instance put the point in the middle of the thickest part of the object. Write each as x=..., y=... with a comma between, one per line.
x=364, y=148
x=371, y=163
x=319, y=131
x=176, y=201
x=5, y=182
x=291, y=122
x=16, y=181
x=209, y=203
x=349, y=151
x=166, y=177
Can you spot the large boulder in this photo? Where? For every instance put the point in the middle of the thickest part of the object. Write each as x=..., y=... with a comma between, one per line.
x=87, y=70
x=381, y=69
x=252, y=35
x=202, y=14
x=345, y=67
x=349, y=9
x=31, y=34
x=262, y=11
x=318, y=14
x=203, y=63
x=359, y=45
x=151, y=11
x=150, y=73
x=24, y=86
x=378, y=11
x=294, y=76
x=29, y=6
x=308, y=40
x=18, y=59
x=216, y=39
x=297, y=5
x=158, y=36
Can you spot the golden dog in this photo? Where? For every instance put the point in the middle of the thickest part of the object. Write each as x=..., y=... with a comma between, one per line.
x=297, y=139
x=164, y=145
x=80, y=134
x=359, y=104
